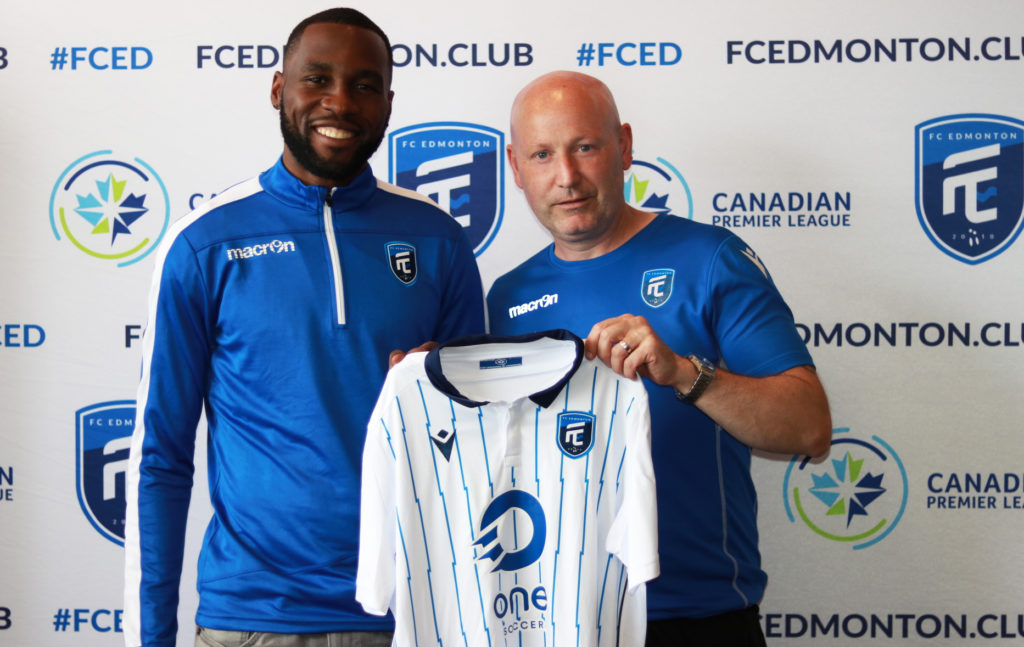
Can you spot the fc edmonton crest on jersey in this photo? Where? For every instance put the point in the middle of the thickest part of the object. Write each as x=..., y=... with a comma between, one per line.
x=575, y=432
x=970, y=184
x=656, y=287
x=402, y=257
x=444, y=440
x=458, y=165
x=103, y=435
x=515, y=502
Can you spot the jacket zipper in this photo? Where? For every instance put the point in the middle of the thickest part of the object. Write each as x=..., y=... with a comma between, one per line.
x=332, y=246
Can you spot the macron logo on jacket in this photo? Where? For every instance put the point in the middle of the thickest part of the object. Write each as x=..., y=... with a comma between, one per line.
x=275, y=247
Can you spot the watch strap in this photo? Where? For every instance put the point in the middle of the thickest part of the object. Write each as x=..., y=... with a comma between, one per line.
x=705, y=375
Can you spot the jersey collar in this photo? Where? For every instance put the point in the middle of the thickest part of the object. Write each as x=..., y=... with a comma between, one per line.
x=432, y=364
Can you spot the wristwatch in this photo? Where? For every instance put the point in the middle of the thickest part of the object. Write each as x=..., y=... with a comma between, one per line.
x=705, y=374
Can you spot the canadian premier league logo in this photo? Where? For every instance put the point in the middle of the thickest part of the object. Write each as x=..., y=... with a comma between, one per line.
x=460, y=167
x=970, y=184
x=104, y=434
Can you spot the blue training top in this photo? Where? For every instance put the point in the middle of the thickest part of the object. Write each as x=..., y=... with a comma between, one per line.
x=704, y=292
x=275, y=305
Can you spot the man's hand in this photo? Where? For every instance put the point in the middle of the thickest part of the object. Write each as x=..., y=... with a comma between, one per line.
x=397, y=356
x=630, y=346
x=785, y=413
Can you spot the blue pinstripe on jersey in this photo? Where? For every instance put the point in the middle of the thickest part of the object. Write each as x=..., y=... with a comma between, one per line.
x=472, y=524
x=408, y=572
x=423, y=527
x=444, y=506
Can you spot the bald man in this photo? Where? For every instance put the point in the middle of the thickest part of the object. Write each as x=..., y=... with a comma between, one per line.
x=696, y=299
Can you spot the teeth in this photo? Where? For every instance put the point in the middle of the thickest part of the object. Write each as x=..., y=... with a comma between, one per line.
x=334, y=133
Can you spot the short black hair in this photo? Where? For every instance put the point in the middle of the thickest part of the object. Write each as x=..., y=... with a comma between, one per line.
x=341, y=16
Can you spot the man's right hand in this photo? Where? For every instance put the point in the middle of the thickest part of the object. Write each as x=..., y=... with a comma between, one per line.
x=397, y=356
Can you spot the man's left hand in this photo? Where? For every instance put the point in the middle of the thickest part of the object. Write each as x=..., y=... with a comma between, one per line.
x=630, y=346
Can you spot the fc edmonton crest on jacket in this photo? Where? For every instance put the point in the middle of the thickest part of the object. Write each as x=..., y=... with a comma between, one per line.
x=575, y=432
x=402, y=258
x=656, y=287
x=970, y=184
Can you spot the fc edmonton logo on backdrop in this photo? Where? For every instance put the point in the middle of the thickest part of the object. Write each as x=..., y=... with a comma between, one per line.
x=111, y=208
x=658, y=188
x=575, y=432
x=458, y=165
x=970, y=184
x=402, y=257
x=516, y=502
x=103, y=435
x=656, y=287
x=855, y=497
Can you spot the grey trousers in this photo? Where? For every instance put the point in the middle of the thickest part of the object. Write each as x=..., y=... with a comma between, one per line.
x=218, y=638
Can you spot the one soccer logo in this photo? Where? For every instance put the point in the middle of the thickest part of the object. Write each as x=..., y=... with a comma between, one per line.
x=970, y=184
x=515, y=502
x=575, y=432
x=402, y=258
x=656, y=287
x=103, y=436
x=856, y=497
x=458, y=165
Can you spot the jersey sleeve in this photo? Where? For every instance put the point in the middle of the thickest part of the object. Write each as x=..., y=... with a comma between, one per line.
x=159, y=479
x=633, y=536
x=462, y=307
x=754, y=327
x=375, y=576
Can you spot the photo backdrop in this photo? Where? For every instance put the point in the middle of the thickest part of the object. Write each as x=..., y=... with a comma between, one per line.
x=871, y=152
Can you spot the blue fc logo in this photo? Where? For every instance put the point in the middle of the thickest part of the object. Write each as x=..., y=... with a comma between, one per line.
x=575, y=432
x=103, y=436
x=458, y=165
x=656, y=287
x=402, y=258
x=970, y=184
x=516, y=502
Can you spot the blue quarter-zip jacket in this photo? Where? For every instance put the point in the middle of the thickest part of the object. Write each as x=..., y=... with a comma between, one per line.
x=274, y=306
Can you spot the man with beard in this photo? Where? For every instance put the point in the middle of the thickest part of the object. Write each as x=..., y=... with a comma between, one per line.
x=274, y=306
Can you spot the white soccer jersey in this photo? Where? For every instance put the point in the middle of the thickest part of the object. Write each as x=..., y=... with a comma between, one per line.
x=508, y=497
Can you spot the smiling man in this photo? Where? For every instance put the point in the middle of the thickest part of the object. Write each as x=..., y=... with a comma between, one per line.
x=273, y=307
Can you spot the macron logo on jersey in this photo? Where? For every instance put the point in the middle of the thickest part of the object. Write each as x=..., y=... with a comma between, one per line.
x=444, y=440
x=543, y=302
x=275, y=247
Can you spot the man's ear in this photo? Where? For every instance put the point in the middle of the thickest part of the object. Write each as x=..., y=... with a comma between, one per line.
x=626, y=142
x=276, y=86
x=513, y=163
